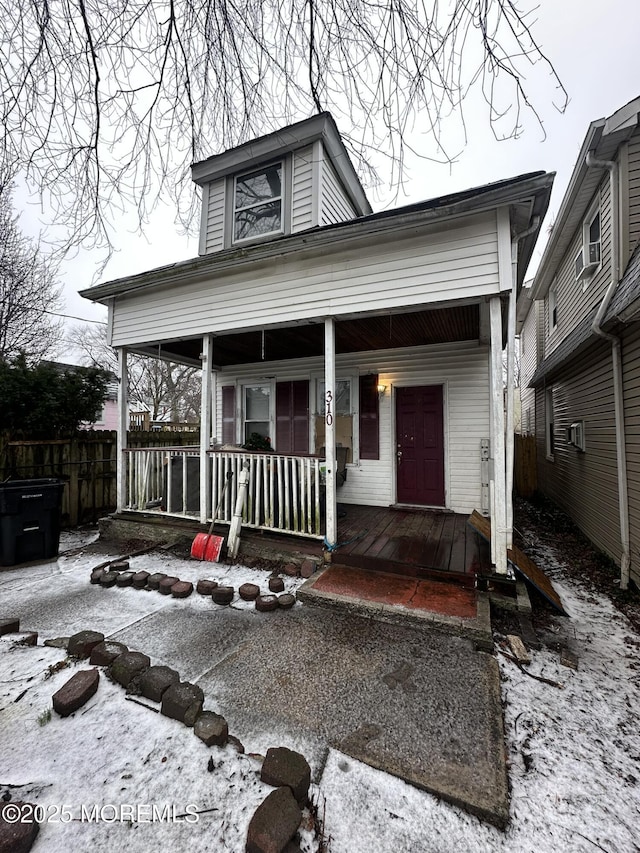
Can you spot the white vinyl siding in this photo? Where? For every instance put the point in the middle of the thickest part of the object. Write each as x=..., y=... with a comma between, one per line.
x=377, y=274
x=214, y=234
x=302, y=190
x=463, y=370
x=335, y=204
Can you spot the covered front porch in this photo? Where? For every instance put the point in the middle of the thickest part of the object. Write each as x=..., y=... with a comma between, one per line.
x=285, y=514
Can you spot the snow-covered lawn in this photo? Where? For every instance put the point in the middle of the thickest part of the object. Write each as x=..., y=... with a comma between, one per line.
x=574, y=754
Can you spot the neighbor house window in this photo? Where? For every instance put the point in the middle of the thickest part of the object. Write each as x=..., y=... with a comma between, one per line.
x=257, y=203
x=550, y=424
x=257, y=411
x=588, y=258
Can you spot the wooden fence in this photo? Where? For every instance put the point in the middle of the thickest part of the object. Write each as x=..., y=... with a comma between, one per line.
x=86, y=464
x=525, y=465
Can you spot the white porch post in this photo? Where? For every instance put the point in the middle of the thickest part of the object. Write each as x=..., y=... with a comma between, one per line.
x=499, y=518
x=205, y=424
x=511, y=357
x=123, y=426
x=331, y=536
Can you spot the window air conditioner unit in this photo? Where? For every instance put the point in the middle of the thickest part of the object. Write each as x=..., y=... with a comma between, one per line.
x=575, y=435
x=583, y=270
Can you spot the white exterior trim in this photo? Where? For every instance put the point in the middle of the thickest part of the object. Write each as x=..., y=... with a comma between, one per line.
x=123, y=426
x=205, y=426
x=331, y=529
x=204, y=220
x=317, y=171
x=503, y=223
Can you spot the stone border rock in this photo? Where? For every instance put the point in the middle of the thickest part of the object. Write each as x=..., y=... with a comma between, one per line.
x=107, y=575
x=277, y=819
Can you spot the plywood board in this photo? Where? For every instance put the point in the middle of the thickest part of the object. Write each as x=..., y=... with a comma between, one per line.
x=521, y=563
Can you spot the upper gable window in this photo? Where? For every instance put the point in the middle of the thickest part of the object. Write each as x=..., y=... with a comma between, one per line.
x=588, y=258
x=257, y=203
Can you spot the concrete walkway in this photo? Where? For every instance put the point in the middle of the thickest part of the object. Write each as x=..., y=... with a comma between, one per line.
x=404, y=698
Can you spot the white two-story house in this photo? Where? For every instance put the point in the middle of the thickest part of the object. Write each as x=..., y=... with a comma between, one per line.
x=581, y=337
x=354, y=354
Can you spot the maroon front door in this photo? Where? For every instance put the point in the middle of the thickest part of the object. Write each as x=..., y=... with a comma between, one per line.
x=420, y=445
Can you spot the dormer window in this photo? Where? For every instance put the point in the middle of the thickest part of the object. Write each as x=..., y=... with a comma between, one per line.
x=257, y=203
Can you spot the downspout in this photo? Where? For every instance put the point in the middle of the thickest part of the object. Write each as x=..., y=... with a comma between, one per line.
x=616, y=358
x=511, y=346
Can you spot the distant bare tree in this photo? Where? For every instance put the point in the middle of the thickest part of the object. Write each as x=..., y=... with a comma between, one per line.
x=27, y=291
x=162, y=388
x=107, y=103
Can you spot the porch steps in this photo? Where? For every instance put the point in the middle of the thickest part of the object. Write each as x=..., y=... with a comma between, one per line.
x=415, y=544
x=405, y=569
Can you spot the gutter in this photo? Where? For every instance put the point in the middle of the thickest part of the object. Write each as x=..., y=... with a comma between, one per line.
x=616, y=359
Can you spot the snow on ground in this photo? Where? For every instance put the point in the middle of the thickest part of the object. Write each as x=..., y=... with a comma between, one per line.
x=574, y=751
x=574, y=755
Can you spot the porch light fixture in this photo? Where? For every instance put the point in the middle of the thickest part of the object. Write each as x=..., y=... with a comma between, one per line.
x=381, y=390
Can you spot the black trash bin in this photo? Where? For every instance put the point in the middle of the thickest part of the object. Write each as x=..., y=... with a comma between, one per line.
x=29, y=520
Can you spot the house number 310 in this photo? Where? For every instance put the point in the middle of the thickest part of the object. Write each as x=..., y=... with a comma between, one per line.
x=329, y=415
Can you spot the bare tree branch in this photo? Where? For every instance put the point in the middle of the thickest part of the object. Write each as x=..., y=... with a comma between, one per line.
x=28, y=292
x=164, y=389
x=105, y=105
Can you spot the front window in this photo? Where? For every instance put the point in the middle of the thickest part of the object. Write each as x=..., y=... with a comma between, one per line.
x=340, y=408
x=257, y=206
x=341, y=404
x=257, y=412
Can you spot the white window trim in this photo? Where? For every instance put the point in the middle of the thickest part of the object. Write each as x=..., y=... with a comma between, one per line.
x=281, y=198
x=588, y=271
x=240, y=407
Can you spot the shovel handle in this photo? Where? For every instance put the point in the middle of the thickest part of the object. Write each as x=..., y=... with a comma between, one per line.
x=224, y=489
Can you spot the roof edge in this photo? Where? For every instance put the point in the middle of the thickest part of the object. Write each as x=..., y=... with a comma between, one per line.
x=613, y=130
x=534, y=185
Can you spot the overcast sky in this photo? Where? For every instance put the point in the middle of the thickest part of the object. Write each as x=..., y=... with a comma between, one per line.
x=594, y=48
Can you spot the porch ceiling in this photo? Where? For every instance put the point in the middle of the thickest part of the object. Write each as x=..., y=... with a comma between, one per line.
x=389, y=331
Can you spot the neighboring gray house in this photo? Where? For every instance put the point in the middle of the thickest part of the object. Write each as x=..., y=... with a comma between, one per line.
x=335, y=336
x=582, y=344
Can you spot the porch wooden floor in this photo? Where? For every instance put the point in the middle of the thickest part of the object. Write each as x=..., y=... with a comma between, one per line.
x=411, y=542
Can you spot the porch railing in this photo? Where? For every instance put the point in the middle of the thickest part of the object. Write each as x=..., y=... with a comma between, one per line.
x=285, y=493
